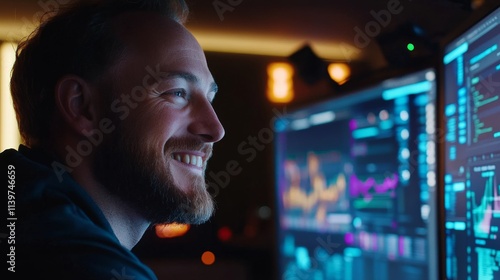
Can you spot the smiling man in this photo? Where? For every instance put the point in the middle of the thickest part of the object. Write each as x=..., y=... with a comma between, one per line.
x=114, y=104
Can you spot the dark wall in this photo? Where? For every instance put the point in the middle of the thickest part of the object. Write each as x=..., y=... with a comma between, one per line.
x=246, y=115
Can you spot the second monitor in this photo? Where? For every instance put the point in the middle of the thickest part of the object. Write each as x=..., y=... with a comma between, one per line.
x=355, y=184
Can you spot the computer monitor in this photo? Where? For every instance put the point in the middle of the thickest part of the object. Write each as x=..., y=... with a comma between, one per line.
x=355, y=179
x=471, y=148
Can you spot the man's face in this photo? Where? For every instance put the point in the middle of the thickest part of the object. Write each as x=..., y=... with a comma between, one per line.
x=161, y=92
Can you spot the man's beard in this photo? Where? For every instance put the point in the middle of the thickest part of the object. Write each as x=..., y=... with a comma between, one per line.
x=141, y=177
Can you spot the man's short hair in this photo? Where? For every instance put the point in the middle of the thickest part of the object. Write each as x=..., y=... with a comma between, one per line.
x=76, y=39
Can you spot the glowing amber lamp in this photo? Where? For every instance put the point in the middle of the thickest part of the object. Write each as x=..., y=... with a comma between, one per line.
x=339, y=72
x=171, y=230
x=279, y=82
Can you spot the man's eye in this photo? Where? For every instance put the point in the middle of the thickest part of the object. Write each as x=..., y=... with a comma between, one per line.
x=177, y=93
x=172, y=93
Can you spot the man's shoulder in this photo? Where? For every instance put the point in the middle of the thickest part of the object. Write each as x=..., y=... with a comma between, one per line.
x=44, y=197
x=34, y=179
x=59, y=228
x=45, y=203
x=9, y=156
x=27, y=167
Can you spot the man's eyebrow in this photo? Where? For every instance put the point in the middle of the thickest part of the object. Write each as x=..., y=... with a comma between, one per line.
x=190, y=78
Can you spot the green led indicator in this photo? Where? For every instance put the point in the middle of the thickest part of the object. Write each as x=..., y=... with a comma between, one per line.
x=410, y=47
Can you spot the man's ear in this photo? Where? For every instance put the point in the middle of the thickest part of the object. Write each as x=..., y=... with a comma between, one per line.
x=76, y=103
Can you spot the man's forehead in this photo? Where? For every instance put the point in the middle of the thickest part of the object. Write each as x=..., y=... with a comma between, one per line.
x=142, y=29
x=150, y=40
x=155, y=38
x=140, y=19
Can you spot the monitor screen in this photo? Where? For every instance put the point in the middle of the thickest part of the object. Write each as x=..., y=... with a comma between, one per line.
x=471, y=150
x=355, y=178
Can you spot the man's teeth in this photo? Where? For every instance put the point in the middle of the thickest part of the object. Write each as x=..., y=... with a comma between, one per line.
x=189, y=159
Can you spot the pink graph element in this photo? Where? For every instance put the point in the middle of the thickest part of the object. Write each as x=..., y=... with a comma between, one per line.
x=484, y=224
x=490, y=203
x=357, y=187
x=353, y=125
x=401, y=246
x=349, y=238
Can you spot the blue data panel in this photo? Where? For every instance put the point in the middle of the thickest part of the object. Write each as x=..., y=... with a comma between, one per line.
x=471, y=66
x=355, y=184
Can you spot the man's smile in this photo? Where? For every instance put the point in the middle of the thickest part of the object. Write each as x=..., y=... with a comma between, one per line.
x=194, y=159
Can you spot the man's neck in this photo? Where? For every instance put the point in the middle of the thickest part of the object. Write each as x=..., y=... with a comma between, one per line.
x=127, y=225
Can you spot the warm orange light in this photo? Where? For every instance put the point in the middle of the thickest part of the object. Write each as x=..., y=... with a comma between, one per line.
x=216, y=40
x=339, y=72
x=171, y=230
x=280, y=84
x=207, y=258
x=9, y=133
